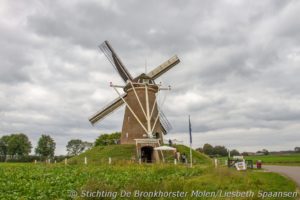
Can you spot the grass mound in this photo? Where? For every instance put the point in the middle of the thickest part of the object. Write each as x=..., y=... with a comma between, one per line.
x=126, y=152
x=198, y=158
x=101, y=154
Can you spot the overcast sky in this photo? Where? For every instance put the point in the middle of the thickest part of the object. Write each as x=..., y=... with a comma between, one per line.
x=238, y=77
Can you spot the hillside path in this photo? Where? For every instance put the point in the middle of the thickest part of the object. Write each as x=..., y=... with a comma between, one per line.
x=291, y=171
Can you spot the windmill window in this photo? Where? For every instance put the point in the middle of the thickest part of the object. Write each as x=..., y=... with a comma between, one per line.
x=157, y=135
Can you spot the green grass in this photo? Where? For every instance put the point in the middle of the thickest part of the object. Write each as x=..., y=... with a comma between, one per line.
x=54, y=181
x=198, y=158
x=127, y=152
x=289, y=159
x=100, y=154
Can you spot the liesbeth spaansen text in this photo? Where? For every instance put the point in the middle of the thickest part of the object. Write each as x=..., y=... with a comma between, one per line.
x=244, y=194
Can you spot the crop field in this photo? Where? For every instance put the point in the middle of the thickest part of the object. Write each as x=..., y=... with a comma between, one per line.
x=59, y=181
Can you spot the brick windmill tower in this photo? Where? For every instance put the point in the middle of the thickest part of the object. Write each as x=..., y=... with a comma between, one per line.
x=144, y=123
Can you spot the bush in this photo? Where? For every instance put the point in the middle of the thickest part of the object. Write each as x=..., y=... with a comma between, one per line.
x=108, y=139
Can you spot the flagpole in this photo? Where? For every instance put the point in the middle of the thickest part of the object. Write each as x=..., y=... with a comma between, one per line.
x=191, y=155
x=190, y=131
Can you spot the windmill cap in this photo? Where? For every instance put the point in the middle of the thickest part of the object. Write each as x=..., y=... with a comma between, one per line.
x=141, y=79
x=142, y=76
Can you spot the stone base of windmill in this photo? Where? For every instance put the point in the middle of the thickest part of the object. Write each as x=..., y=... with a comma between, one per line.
x=145, y=150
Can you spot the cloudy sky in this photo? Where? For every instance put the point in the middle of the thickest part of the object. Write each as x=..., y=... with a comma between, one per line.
x=238, y=77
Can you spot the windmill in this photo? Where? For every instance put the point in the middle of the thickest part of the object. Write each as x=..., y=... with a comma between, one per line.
x=142, y=119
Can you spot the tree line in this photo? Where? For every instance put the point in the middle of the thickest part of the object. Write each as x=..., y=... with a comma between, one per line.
x=221, y=151
x=76, y=146
x=17, y=147
x=215, y=151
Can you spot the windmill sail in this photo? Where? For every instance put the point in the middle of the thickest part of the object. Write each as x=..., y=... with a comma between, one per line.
x=115, y=61
x=161, y=69
x=107, y=109
x=164, y=122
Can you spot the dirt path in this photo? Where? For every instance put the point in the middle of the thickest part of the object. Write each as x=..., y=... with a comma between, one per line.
x=290, y=171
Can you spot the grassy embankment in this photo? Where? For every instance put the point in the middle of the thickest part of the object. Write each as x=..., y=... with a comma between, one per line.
x=125, y=153
x=55, y=181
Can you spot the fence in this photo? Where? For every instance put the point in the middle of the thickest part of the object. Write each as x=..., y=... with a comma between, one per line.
x=30, y=158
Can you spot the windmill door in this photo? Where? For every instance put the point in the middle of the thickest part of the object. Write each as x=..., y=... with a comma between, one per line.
x=147, y=154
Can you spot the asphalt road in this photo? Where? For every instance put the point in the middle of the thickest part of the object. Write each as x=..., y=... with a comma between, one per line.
x=290, y=171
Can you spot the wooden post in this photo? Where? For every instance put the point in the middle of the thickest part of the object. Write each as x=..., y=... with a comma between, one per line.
x=85, y=160
x=66, y=161
x=216, y=163
x=175, y=161
x=35, y=161
x=109, y=160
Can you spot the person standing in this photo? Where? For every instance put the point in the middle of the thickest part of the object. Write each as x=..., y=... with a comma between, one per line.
x=170, y=142
x=183, y=158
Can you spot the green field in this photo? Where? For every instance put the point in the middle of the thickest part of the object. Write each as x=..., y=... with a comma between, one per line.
x=289, y=159
x=60, y=181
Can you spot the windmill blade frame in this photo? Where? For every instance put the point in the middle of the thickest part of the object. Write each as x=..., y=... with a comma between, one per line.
x=164, y=67
x=107, y=110
x=113, y=58
x=164, y=122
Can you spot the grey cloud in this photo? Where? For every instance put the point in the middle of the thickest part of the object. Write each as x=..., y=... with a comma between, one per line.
x=238, y=76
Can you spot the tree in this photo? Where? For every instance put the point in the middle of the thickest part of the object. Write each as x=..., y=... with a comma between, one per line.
x=200, y=149
x=234, y=152
x=265, y=152
x=220, y=150
x=297, y=149
x=208, y=149
x=245, y=154
x=75, y=147
x=18, y=144
x=87, y=145
x=4, y=146
x=45, y=147
x=108, y=139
